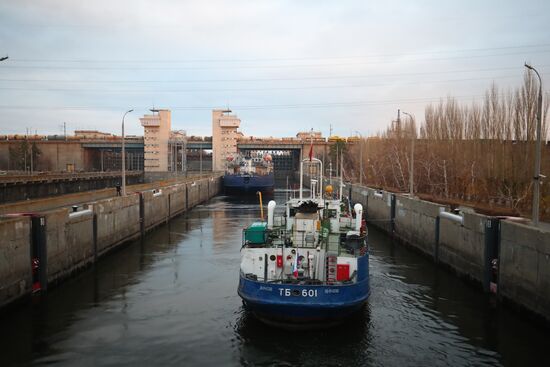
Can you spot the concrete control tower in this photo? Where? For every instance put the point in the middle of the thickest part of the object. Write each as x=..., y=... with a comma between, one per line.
x=155, y=139
x=225, y=132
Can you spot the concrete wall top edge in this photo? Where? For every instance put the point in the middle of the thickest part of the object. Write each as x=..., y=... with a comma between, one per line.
x=106, y=203
x=545, y=231
x=522, y=235
x=475, y=221
x=58, y=211
x=429, y=208
x=113, y=203
x=422, y=206
x=8, y=220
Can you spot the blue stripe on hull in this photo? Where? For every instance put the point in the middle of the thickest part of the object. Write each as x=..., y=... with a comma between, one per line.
x=300, y=304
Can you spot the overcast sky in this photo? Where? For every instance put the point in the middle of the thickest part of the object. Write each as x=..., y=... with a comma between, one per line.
x=281, y=66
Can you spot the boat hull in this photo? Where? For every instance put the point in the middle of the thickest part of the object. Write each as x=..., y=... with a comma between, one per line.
x=249, y=183
x=296, y=305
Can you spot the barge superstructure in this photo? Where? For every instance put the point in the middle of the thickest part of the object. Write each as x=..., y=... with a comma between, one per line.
x=249, y=174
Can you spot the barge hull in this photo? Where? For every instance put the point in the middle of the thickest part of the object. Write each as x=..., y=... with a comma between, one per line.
x=248, y=183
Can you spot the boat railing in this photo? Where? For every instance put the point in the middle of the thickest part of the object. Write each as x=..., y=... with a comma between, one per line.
x=315, y=165
x=291, y=280
x=334, y=242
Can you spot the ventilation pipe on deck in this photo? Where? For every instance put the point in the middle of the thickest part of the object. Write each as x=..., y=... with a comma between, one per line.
x=313, y=188
x=270, y=213
x=288, y=219
x=358, y=216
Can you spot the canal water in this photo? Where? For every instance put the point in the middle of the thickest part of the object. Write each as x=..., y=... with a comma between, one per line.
x=172, y=300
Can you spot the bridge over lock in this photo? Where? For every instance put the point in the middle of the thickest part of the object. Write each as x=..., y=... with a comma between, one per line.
x=286, y=152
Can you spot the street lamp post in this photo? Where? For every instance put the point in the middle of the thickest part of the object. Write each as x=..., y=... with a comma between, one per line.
x=536, y=177
x=184, y=157
x=123, y=156
x=200, y=160
x=411, y=174
x=337, y=160
x=360, y=158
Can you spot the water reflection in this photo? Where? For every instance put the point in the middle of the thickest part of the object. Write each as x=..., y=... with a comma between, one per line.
x=171, y=300
x=259, y=345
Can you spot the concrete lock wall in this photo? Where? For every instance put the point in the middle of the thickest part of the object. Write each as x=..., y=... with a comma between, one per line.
x=69, y=242
x=162, y=204
x=74, y=240
x=193, y=193
x=416, y=223
x=177, y=200
x=360, y=195
x=469, y=245
x=118, y=220
x=156, y=207
x=15, y=258
x=524, y=266
x=462, y=247
x=379, y=209
x=44, y=204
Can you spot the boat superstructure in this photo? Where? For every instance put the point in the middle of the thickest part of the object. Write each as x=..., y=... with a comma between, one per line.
x=310, y=264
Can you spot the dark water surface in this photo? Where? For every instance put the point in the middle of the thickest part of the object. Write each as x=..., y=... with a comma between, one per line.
x=172, y=300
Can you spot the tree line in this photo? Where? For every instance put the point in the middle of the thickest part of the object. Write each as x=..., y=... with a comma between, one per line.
x=480, y=153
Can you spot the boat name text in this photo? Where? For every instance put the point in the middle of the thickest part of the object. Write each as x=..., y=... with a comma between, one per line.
x=287, y=292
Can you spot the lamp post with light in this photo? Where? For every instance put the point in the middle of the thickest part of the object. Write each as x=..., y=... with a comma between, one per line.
x=537, y=175
x=413, y=138
x=360, y=158
x=124, y=156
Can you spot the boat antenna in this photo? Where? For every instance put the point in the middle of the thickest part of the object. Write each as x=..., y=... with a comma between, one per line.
x=287, y=188
x=341, y=175
x=301, y=178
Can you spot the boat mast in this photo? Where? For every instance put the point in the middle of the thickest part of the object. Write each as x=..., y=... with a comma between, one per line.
x=301, y=177
x=320, y=179
x=341, y=175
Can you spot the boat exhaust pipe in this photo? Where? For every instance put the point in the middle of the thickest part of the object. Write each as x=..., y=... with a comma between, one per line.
x=358, y=216
x=270, y=213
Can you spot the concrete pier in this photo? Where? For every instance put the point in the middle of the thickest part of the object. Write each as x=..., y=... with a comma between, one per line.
x=75, y=239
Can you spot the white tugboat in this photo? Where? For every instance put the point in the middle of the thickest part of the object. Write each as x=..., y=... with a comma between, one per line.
x=310, y=265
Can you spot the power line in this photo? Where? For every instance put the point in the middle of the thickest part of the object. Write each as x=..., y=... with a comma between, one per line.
x=244, y=67
x=257, y=107
x=199, y=90
x=379, y=75
x=87, y=60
